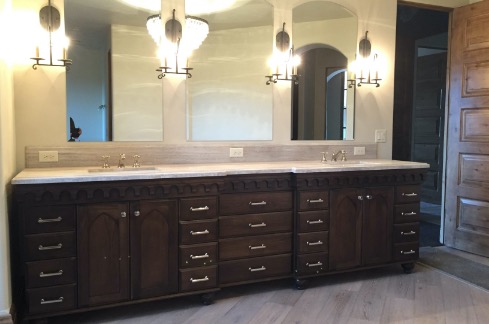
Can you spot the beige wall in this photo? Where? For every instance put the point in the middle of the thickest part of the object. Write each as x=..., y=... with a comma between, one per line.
x=7, y=153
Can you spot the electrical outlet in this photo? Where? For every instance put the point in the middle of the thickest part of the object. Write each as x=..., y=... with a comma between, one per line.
x=235, y=152
x=380, y=136
x=359, y=150
x=48, y=156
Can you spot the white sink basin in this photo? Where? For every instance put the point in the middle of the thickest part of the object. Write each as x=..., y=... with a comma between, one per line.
x=128, y=169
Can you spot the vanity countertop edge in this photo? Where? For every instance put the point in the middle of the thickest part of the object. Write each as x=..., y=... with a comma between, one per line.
x=168, y=171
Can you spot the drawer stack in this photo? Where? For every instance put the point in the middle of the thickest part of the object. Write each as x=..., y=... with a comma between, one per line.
x=255, y=236
x=49, y=257
x=198, y=243
x=406, y=223
x=312, y=238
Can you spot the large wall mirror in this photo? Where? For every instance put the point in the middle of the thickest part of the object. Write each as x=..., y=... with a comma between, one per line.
x=323, y=107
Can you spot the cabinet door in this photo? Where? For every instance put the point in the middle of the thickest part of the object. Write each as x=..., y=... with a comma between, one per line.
x=378, y=216
x=154, y=248
x=103, y=253
x=345, y=228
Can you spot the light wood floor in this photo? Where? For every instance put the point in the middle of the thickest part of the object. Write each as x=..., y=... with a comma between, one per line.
x=385, y=295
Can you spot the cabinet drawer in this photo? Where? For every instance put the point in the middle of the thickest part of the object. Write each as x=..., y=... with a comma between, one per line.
x=198, y=208
x=313, y=263
x=255, y=246
x=50, y=246
x=255, y=269
x=198, y=279
x=406, y=251
x=51, y=299
x=198, y=232
x=200, y=255
x=313, y=242
x=48, y=219
x=252, y=203
x=407, y=194
x=51, y=273
x=408, y=232
x=255, y=224
x=408, y=213
x=313, y=221
x=313, y=200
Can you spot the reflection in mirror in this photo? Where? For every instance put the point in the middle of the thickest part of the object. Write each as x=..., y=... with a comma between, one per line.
x=325, y=36
x=112, y=92
x=227, y=96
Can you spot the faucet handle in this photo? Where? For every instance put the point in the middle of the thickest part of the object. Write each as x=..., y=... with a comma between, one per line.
x=105, y=159
x=136, y=161
x=343, y=155
x=323, y=157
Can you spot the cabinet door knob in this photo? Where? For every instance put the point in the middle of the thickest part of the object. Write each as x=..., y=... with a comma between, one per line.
x=360, y=197
x=123, y=214
x=369, y=197
x=137, y=213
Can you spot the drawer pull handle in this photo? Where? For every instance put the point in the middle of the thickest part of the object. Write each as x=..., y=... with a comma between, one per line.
x=263, y=246
x=408, y=233
x=196, y=257
x=315, y=201
x=257, y=225
x=51, y=301
x=319, y=221
x=192, y=280
x=315, y=243
x=198, y=209
x=49, y=220
x=409, y=214
x=408, y=252
x=413, y=194
x=262, y=268
x=261, y=203
x=51, y=247
x=205, y=232
x=51, y=274
x=312, y=265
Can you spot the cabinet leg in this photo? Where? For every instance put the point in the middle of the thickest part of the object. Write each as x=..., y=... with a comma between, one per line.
x=207, y=298
x=407, y=267
x=301, y=284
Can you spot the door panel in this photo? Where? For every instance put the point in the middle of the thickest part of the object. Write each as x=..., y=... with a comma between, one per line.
x=467, y=193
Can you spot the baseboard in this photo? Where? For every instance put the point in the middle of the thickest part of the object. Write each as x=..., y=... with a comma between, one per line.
x=5, y=318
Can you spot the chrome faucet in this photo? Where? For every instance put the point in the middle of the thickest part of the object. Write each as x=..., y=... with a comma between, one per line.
x=335, y=156
x=122, y=157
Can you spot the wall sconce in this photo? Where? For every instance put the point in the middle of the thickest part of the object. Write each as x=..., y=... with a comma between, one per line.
x=174, y=48
x=366, y=66
x=50, y=20
x=283, y=63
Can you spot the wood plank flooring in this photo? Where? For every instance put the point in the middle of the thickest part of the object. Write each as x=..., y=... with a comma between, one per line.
x=385, y=295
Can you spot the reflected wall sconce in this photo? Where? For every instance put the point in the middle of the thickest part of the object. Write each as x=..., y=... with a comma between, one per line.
x=366, y=66
x=283, y=63
x=50, y=20
x=175, y=49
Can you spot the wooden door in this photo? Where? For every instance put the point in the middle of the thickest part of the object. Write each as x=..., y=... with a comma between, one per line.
x=378, y=211
x=154, y=248
x=429, y=120
x=345, y=228
x=103, y=253
x=467, y=191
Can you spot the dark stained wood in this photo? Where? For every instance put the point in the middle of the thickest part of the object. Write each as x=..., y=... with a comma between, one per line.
x=48, y=219
x=313, y=221
x=198, y=208
x=255, y=224
x=51, y=299
x=154, y=248
x=313, y=200
x=198, y=231
x=254, y=246
x=406, y=251
x=103, y=253
x=252, y=203
x=467, y=132
x=378, y=206
x=404, y=233
x=50, y=246
x=312, y=242
x=198, y=255
x=51, y=272
x=406, y=213
x=198, y=278
x=345, y=228
x=312, y=263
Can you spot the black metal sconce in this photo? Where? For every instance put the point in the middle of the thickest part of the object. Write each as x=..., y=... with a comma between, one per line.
x=50, y=20
x=282, y=43
x=372, y=73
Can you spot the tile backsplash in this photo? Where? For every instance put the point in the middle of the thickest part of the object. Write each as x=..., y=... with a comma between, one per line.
x=90, y=154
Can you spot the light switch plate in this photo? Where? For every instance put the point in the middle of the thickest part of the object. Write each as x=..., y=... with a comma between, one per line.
x=380, y=136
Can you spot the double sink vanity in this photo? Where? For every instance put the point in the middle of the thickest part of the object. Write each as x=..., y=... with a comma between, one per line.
x=90, y=238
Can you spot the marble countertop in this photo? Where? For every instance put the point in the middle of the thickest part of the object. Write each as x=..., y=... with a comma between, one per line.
x=166, y=171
